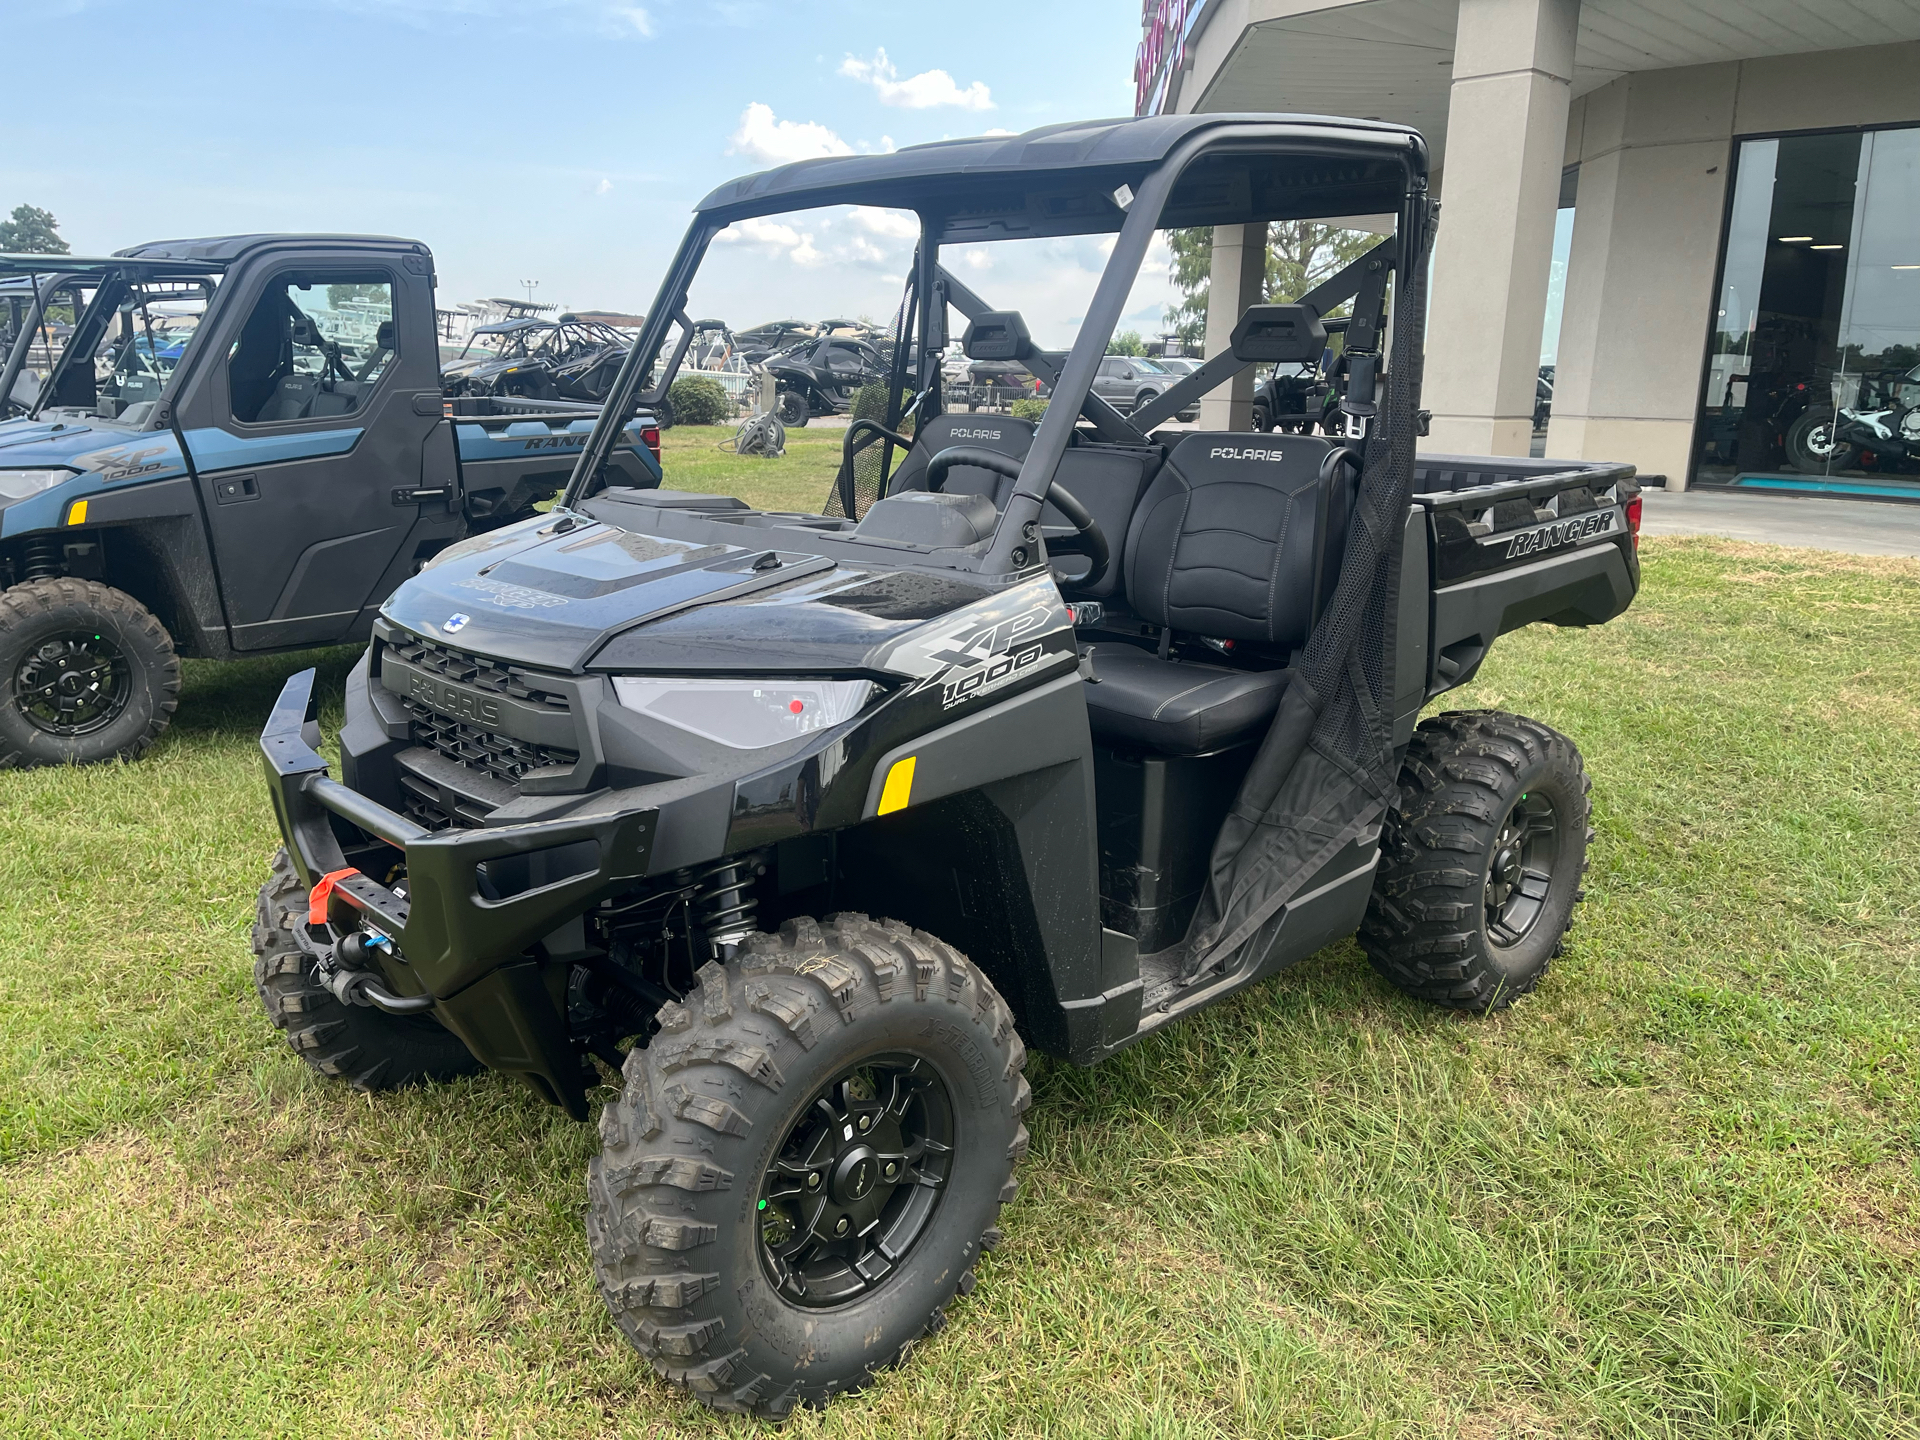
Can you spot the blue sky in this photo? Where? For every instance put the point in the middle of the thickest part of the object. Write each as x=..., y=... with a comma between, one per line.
x=560, y=140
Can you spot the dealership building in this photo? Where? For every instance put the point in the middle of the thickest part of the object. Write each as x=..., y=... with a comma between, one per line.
x=1734, y=188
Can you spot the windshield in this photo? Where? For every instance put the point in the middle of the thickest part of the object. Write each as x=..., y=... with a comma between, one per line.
x=114, y=359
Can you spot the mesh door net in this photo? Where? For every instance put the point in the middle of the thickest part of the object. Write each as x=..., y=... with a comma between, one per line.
x=1325, y=774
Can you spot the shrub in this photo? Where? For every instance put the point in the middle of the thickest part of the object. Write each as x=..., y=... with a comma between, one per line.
x=1031, y=408
x=700, y=400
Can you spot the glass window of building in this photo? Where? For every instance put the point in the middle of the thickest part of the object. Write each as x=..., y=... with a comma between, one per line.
x=1813, y=374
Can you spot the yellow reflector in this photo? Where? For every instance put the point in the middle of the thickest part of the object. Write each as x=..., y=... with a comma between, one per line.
x=899, y=787
x=78, y=514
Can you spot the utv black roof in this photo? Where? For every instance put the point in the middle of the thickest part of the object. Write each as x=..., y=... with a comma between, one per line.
x=225, y=249
x=158, y=259
x=1060, y=179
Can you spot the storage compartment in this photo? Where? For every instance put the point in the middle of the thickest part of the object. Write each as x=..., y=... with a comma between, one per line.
x=1159, y=815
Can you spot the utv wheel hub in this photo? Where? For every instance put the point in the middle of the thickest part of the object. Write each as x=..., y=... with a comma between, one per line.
x=855, y=1184
x=855, y=1174
x=1520, y=868
x=72, y=685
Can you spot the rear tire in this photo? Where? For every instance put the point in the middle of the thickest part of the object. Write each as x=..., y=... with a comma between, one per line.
x=704, y=1174
x=368, y=1048
x=87, y=674
x=1811, y=448
x=1481, y=861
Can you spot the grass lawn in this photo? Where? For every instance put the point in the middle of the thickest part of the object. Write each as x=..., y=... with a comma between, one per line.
x=1674, y=1193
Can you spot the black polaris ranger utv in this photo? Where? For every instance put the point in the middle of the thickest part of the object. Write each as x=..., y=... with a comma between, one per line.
x=809, y=826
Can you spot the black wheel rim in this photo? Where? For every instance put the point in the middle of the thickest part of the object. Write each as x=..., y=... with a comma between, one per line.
x=73, y=684
x=1520, y=868
x=855, y=1184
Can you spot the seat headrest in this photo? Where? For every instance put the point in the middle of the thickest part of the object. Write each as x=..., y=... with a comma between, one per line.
x=1006, y=433
x=1280, y=334
x=997, y=335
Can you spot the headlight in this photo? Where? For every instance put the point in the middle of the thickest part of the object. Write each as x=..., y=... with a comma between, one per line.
x=19, y=484
x=744, y=714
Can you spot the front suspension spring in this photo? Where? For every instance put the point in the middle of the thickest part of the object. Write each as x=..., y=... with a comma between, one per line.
x=726, y=907
x=41, y=560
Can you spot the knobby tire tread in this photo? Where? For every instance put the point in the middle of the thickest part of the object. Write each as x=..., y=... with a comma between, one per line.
x=646, y=1221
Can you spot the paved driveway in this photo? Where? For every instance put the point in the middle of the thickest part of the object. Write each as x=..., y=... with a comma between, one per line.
x=1859, y=527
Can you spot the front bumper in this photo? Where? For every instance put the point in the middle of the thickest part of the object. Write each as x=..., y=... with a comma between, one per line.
x=474, y=900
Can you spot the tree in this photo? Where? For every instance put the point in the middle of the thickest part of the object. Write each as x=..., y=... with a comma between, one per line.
x=1300, y=254
x=31, y=231
x=1127, y=342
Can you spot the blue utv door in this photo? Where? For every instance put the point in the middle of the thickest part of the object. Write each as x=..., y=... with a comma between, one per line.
x=326, y=468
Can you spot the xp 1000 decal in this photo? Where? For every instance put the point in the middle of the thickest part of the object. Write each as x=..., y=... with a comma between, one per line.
x=987, y=646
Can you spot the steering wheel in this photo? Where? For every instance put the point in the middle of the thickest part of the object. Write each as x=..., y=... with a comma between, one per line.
x=1088, y=538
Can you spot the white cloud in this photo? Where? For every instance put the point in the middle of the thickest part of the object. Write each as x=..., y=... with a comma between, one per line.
x=917, y=92
x=771, y=235
x=778, y=142
x=603, y=187
x=893, y=224
x=977, y=259
x=997, y=130
x=633, y=17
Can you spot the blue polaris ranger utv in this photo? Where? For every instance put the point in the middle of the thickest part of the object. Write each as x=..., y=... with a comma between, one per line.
x=776, y=839
x=229, y=447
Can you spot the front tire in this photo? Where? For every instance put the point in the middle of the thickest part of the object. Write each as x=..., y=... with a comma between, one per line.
x=87, y=674
x=1481, y=862
x=843, y=1084
x=368, y=1048
x=793, y=410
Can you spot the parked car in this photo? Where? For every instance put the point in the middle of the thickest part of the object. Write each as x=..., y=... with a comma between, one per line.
x=1128, y=382
x=253, y=479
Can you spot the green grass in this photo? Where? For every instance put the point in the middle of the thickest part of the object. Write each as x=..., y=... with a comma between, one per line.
x=1672, y=1194
x=798, y=480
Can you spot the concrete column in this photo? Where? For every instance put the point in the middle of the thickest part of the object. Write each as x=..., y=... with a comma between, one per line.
x=1506, y=136
x=1646, y=233
x=1238, y=280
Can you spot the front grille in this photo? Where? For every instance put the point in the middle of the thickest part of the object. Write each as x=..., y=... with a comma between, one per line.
x=476, y=670
x=424, y=812
x=501, y=756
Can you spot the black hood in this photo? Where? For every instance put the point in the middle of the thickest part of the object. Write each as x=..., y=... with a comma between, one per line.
x=573, y=594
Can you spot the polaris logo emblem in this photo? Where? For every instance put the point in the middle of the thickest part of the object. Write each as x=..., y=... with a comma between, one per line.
x=1237, y=452
x=511, y=597
x=455, y=623
x=454, y=700
x=973, y=434
x=1561, y=532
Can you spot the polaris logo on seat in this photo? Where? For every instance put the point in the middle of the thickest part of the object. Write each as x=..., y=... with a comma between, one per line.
x=1237, y=452
x=973, y=434
x=1561, y=532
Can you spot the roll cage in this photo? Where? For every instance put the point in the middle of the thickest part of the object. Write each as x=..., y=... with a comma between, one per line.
x=1128, y=178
